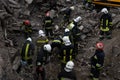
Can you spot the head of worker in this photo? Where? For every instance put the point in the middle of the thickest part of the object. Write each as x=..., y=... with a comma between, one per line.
x=47, y=47
x=99, y=46
x=27, y=23
x=79, y=18
x=67, y=30
x=41, y=33
x=104, y=10
x=69, y=66
x=66, y=41
x=29, y=39
x=72, y=8
x=47, y=14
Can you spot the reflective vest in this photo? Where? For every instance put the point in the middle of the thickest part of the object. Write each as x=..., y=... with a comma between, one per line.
x=106, y=28
x=26, y=57
x=64, y=59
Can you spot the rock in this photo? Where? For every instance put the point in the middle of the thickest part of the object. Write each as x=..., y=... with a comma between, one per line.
x=15, y=6
x=104, y=74
x=29, y=1
x=81, y=27
x=116, y=21
x=1, y=67
x=113, y=15
x=92, y=49
x=2, y=14
x=83, y=36
x=86, y=30
x=13, y=2
x=115, y=50
x=16, y=63
x=52, y=13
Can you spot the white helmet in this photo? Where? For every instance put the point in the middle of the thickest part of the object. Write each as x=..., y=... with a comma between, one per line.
x=69, y=66
x=29, y=39
x=68, y=0
x=47, y=47
x=41, y=33
x=104, y=10
x=67, y=30
x=72, y=7
x=66, y=40
x=79, y=18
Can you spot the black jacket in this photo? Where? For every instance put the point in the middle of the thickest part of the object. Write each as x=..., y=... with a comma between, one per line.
x=98, y=58
x=27, y=48
x=67, y=53
x=42, y=56
x=69, y=75
x=57, y=42
x=103, y=20
x=48, y=22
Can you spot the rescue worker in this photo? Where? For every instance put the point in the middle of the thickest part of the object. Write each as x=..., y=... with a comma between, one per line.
x=97, y=61
x=56, y=46
x=53, y=4
x=67, y=51
x=105, y=24
x=48, y=24
x=67, y=32
x=26, y=28
x=67, y=73
x=57, y=42
x=74, y=23
x=43, y=58
x=67, y=14
x=75, y=31
x=26, y=53
x=87, y=4
x=41, y=40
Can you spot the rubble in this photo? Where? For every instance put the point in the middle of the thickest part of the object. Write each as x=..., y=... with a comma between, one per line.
x=9, y=56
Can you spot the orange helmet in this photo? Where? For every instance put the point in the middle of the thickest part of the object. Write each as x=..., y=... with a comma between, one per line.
x=27, y=22
x=99, y=45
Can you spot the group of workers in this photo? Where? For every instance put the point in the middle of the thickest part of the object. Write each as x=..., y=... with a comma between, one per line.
x=67, y=46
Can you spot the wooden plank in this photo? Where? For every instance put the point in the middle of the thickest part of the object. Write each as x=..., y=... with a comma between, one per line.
x=114, y=0
x=107, y=4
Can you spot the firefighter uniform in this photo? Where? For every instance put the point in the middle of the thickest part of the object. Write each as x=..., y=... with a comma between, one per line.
x=105, y=26
x=63, y=75
x=70, y=35
x=75, y=35
x=97, y=61
x=41, y=40
x=76, y=38
x=48, y=23
x=27, y=30
x=67, y=14
x=26, y=53
x=57, y=42
x=67, y=54
x=42, y=59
